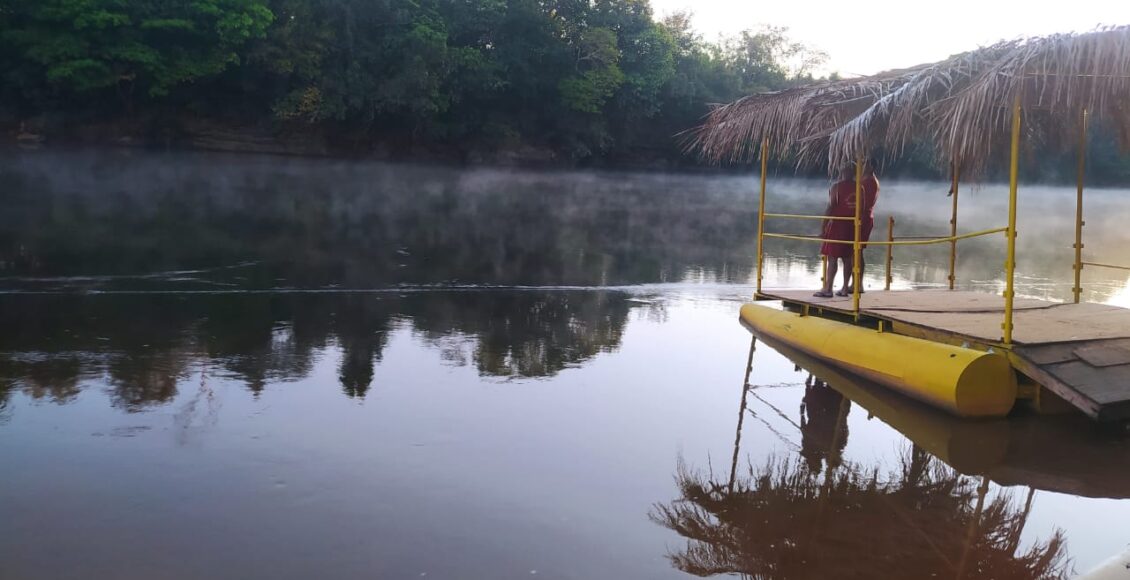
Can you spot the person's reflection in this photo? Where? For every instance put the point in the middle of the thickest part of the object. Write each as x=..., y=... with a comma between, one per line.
x=357, y=369
x=823, y=425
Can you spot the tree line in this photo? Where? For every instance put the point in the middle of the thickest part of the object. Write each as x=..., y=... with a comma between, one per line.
x=563, y=82
x=573, y=79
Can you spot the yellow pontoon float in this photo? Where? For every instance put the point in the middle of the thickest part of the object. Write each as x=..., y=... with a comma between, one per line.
x=971, y=354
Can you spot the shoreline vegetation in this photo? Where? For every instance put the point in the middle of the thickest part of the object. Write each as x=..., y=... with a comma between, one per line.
x=519, y=83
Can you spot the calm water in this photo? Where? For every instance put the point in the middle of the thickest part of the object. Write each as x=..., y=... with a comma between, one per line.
x=242, y=367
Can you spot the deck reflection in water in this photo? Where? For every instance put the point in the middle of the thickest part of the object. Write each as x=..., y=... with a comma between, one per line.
x=932, y=514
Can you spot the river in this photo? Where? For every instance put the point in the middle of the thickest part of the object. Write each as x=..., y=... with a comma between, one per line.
x=217, y=366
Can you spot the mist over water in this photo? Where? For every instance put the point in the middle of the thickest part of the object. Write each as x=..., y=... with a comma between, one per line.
x=239, y=366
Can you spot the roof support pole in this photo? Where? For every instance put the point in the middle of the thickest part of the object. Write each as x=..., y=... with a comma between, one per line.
x=761, y=214
x=890, y=250
x=953, y=223
x=1079, y=223
x=1010, y=260
x=857, y=284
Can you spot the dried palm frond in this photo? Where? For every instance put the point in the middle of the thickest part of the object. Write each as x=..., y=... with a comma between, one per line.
x=900, y=117
x=962, y=106
x=1054, y=78
x=788, y=118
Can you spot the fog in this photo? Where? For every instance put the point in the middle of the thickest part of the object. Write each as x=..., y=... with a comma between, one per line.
x=136, y=221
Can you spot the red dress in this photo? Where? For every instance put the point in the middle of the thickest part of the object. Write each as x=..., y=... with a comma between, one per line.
x=842, y=197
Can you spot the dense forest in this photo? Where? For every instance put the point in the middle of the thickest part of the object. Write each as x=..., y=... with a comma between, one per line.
x=567, y=80
x=552, y=82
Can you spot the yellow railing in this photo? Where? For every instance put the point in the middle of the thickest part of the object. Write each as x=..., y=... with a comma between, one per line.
x=1099, y=265
x=952, y=239
x=1010, y=230
x=898, y=242
x=808, y=217
x=856, y=243
x=890, y=242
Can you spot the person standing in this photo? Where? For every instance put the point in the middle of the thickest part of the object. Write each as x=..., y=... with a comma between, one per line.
x=841, y=204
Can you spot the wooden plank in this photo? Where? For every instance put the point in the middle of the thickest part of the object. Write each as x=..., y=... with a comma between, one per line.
x=1048, y=354
x=981, y=326
x=1107, y=353
x=1066, y=323
x=1105, y=385
x=1053, y=383
x=979, y=315
x=914, y=300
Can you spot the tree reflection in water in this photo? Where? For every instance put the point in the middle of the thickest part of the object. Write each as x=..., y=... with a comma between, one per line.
x=784, y=519
x=141, y=347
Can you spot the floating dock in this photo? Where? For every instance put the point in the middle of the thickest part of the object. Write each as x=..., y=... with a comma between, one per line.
x=1079, y=352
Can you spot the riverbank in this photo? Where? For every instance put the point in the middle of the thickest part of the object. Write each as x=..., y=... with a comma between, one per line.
x=156, y=131
x=190, y=133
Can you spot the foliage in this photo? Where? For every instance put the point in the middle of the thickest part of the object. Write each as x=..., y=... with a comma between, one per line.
x=83, y=46
x=582, y=78
x=584, y=81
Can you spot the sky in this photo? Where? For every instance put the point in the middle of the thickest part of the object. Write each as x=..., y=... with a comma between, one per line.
x=868, y=37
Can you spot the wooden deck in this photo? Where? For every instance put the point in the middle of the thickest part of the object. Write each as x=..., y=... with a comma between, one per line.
x=1081, y=352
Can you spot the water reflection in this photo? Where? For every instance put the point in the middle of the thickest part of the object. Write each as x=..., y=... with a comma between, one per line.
x=924, y=520
x=823, y=429
x=818, y=515
x=1057, y=453
x=154, y=279
x=141, y=347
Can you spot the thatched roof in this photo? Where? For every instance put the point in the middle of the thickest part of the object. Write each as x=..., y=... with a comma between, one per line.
x=961, y=105
x=790, y=118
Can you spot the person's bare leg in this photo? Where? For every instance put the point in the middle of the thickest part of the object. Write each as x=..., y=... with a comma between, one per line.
x=848, y=261
x=829, y=278
x=850, y=276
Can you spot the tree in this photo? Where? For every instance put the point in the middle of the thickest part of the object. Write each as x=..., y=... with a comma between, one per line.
x=84, y=46
x=577, y=79
x=767, y=59
x=597, y=74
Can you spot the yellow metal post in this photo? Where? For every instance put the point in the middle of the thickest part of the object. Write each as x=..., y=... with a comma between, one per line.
x=890, y=250
x=953, y=224
x=857, y=284
x=761, y=213
x=1010, y=260
x=1079, y=223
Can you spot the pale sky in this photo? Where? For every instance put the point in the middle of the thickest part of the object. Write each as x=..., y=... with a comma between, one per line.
x=876, y=35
